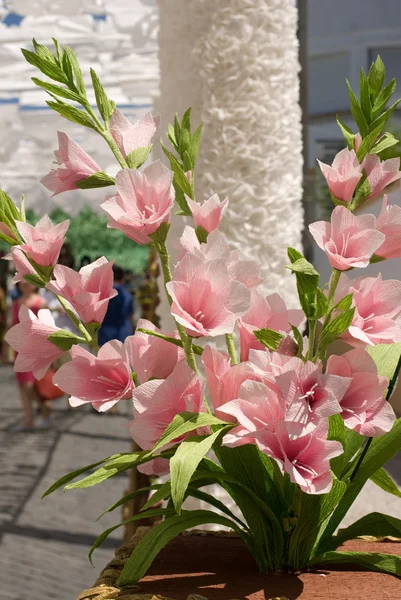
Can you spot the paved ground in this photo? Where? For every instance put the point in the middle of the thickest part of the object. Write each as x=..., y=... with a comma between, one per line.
x=44, y=543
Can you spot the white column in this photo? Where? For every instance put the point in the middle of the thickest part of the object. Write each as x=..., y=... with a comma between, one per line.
x=236, y=63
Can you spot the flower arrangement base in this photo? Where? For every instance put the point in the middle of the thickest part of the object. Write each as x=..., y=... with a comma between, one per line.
x=217, y=566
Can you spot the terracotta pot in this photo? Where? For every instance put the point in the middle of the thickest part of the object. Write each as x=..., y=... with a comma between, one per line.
x=217, y=566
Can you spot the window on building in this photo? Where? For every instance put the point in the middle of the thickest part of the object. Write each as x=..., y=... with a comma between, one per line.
x=327, y=90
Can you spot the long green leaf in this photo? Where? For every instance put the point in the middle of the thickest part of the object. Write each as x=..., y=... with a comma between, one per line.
x=57, y=90
x=184, y=423
x=154, y=512
x=50, y=69
x=150, y=546
x=72, y=114
x=184, y=463
x=357, y=112
x=70, y=476
x=337, y=431
x=372, y=561
x=385, y=482
x=117, y=465
x=205, y=497
x=375, y=524
x=386, y=358
x=129, y=497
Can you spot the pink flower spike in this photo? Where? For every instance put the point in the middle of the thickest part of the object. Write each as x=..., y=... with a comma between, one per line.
x=74, y=165
x=29, y=339
x=377, y=310
x=157, y=402
x=343, y=176
x=349, y=241
x=271, y=313
x=205, y=300
x=21, y=263
x=43, y=241
x=100, y=380
x=389, y=223
x=144, y=201
x=131, y=136
x=209, y=214
x=363, y=407
x=380, y=173
x=152, y=357
x=306, y=459
x=88, y=291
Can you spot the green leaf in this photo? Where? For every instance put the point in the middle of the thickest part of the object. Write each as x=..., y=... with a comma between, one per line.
x=136, y=158
x=345, y=303
x=72, y=114
x=307, y=282
x=383, y=118
x=184, y=423
x=64, y=340
x=348, y=134
x=269, y=338
x=97, y=180
x=376, y=76
x=122, y=462
x=205, y=497
x=104, y=104
x=383, y=97
x=386, y=357
x=179, y=174
x=79, y=80
x=57, y=90
x=43, y=52
x=321, y=304
x=184, y=463
x=362, y=192
x=386, y=141
x=385, y=482
x=70, y=476
x=357, y=112
x=51, y=69
x=162, y=493
x=315, y=509
x=193, y=149
x=364, y=95
x=337, y=431
x=153, y=512
x=372, y=561
x=177, y=128
x=186, y=120
x=8, y=207
x=368, y=142
x=197, y=349
x=299, y=340
x=129, y=497
x=336, y=327
x=35, y=280
x=59, y=51
x=171, y=136
x=153, y=542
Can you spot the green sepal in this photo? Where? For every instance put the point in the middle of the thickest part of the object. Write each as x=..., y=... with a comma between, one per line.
x=64, y=340
x=201, y=234
x=35, y=280
x=336, y=327
x=92, y=328
x=375, y=259
x=136, y=158
x=307, y=282
x=362, y=192
x=104, y=104
x=269, y=338
x=160, y=235
x=97, y=180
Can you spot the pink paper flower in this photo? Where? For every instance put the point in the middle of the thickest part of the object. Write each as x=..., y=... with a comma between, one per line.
x=75, y=165
x=216, y=247
x=306, y=459
x=152, y=357
x=363, y=407
x=389, y=223
x=100, y=380
x=43, y=241
x=343, y=175
x=88, y=291
x=270, y=313
x=224, y=380
x=21, y=263
x=380, y=173
x=310, y=395
x=205, y=300
x=257, y=408
x=29, y=339
x=349, y=241
x=157, y=402
x=143, y=202
x=377, y=313
x=209, y=214
x=131, y=136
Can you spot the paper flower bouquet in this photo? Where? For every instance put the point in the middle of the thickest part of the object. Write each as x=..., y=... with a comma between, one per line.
x=291, y=431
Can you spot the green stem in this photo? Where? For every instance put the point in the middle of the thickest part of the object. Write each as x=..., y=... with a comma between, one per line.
x=164, y=256
x=231, y=348
x=91, y=341
x=335, y=278
x=115, y=149
x=312, y=335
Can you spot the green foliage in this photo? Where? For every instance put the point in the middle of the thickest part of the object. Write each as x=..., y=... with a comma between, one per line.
x=97, y=180
x=64, y=340
x=136, y=158
x=385, y=482
x=269, y=338
x=104, y=104
x=312, y=300
x=372, y=561
x=183, y=423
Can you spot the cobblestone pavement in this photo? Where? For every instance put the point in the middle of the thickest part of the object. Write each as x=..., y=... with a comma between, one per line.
x=44, y=543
